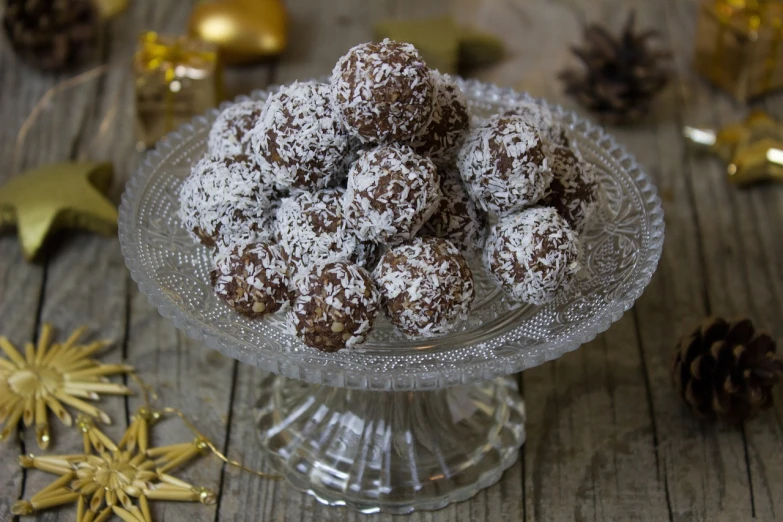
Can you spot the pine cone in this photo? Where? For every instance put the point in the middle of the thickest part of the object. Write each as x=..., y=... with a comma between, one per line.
x=51, y=34
x=622, y=76
x=726, y=369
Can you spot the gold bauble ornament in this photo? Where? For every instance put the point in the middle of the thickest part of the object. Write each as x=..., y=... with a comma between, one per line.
x=753, y=148
x=49, y=376
x=244, y=30
x=59, y=196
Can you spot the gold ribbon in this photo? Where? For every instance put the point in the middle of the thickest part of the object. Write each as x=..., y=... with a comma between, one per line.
x=178, y=58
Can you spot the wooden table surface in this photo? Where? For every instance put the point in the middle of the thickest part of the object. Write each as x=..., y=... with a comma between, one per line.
x=607, y=437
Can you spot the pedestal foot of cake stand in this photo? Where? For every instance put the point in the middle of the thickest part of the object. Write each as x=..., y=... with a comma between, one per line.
x=391, y=452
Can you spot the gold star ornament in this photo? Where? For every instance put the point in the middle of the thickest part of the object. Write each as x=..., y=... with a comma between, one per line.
x=753, y=148
x=444, y=44
x=60, y=196
x=116, y=479
x=49, y=377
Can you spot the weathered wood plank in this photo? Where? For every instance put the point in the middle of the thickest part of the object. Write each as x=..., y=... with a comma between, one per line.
x=21, y=283
x=590, y=453
x=704, y=464
x=760, y=218
x=596, y=457
x=86, y=279
x=191, y=378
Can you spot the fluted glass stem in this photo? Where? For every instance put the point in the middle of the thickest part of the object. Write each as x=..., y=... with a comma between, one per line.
x=391, y=452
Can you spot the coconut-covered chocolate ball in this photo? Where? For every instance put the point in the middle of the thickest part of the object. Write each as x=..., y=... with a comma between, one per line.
x=300, y=136
x=458, y=218
x=311, y=228
x=226, y=200
x=391, y=192
x=252, y=279
x=542, y=120
x=574, y=189
x=335, y=307
x=533, y=255
x=504, y=165
x=383, y=91
x=230, y=134
x=366, y=254
x=442, y=137
x=426, y=286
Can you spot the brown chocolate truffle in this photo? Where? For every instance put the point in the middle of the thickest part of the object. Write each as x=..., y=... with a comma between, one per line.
x=533, y=255
x=542, y=120
x=504, y=165
x=300, y=136
x=458, y=218
x=230, y=134
x=227, y=200
x=336, y=306
x=311, y=228
x=391, y=192
x=383, y=91
x=574, y=189
x=252, y=279
x=426, y=286
x=443, y=136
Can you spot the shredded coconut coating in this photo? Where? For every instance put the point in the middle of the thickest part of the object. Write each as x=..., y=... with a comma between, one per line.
x=443, y=136
x=533, y=255
x=392, y=192
x=426, y=286
x=458, y=218
x=542, y=120
x=224, y=200
x=230, y=134
x=336, y=306
x=383, y=91
x=355, y=147
x=300, y=136
x=252, y=279
x=504, y=165
x=311, y=229
x=574, y=189
x=367, y=254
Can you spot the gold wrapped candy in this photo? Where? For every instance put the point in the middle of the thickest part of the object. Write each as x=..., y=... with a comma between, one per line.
x=738, y=45
x=177, y=78
x=753, y=148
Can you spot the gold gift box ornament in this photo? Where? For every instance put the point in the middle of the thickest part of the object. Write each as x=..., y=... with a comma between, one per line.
x=177, y=78
x=738, y=45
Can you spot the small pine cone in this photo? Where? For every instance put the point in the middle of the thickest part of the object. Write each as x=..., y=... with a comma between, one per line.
x=51, y=34
x=726, y=370
x=621, y=75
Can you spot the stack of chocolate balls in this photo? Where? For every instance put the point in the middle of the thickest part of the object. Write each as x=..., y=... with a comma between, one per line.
x=337, y=200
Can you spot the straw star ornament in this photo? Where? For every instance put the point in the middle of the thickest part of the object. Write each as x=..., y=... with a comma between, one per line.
x=49, y=377
x=117, y=479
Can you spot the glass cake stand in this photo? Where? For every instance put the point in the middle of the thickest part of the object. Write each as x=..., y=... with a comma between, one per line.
x=399, y=424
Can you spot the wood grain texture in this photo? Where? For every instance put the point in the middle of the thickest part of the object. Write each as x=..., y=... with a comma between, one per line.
x=24, y=284
x=607, y=437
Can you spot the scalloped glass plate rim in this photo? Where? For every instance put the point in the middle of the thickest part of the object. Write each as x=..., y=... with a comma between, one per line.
x=468, y=371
